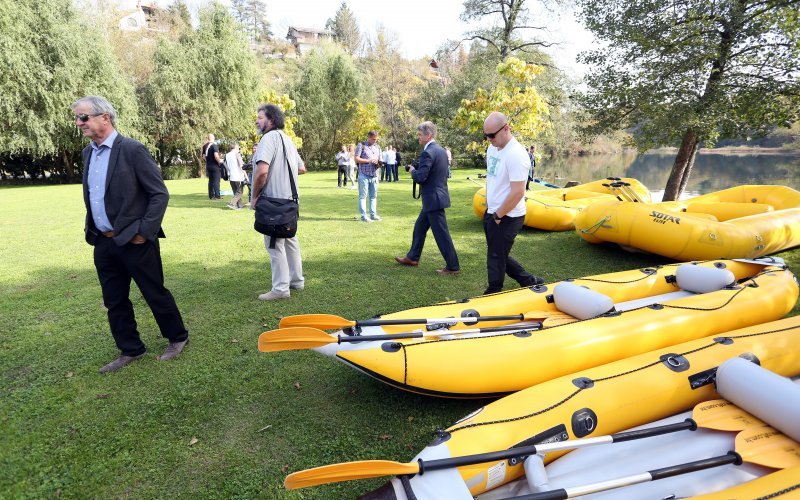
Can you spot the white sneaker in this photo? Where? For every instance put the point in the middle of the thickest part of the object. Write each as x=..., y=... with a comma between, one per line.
x=273, y=295
x=375, y=217
x=297, y=287
x=366, y=219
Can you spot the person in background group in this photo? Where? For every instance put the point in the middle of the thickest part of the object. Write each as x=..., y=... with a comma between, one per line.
x=507, y=166
x=213, y=171
x=368, y=157
x=125, y=199
x=532, y=156
x=343, y=163
x=353, y=170
x=397, y=160
x=431, y=175
x=271, y=179
x=391, y=166
x=236, y=175
x=449, y=162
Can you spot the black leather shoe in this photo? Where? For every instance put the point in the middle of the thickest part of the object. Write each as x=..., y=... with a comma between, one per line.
x=119, y=363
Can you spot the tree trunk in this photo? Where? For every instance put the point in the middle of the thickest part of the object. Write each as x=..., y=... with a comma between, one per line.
x=682, y=167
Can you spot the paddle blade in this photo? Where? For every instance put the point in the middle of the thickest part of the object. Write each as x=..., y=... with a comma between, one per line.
x=723, y=415
x=768, y=447
x=347, y=471
x=291, y=339
x=321, y=321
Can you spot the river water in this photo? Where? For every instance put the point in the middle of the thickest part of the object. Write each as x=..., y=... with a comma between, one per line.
x=711, y=172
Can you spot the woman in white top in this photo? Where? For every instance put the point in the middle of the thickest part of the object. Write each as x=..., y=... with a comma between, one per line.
x=237, y=175
x=353, y=171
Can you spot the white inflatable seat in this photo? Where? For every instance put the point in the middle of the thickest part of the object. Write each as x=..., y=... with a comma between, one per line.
x=700, y=279
x=581, y=302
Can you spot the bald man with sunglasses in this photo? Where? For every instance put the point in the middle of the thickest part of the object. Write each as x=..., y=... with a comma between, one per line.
x=507, y=166
x=125, y=200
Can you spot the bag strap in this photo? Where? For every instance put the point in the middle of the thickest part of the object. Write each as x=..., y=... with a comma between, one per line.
x=289, y=168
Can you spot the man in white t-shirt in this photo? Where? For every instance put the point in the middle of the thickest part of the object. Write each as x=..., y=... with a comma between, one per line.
x=507, y=166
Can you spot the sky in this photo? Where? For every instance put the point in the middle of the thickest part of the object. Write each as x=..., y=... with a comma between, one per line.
x=420, y=26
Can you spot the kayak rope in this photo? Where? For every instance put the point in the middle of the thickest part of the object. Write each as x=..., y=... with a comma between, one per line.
x=596, y=227
x=780, y=493
x=550, y=205
x=716, y=342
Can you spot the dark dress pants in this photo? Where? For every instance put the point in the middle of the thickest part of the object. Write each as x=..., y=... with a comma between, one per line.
x=214, y=175
x=116, y=266
x=436, y=221
x=499, y=240
x=394, y=171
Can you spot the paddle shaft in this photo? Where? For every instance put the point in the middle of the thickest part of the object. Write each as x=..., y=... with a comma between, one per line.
x=434, y=321
x=435, y=333
x=562, y=493
x=524, y=451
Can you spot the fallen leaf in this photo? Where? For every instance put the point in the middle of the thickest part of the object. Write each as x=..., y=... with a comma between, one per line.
x=264, y=325
x=410, y=418
x=284, y=469
x=69, y=374
x=193, y=441
x=384, y=437
x=103, y=396
x=234, y=341
x=297, y=385
x=58, y=493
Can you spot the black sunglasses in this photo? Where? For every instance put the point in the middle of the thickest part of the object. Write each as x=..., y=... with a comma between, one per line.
x=83, y=117
x=491, y=136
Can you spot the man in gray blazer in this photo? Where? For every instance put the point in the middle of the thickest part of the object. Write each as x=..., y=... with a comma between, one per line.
x=431, y=175
x=125, y=199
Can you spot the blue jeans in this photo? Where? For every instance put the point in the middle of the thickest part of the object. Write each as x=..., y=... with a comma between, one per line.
x=367, y=184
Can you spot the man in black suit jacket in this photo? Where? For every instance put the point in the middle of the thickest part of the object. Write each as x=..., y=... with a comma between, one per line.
x=125, y=200
x=431, y=175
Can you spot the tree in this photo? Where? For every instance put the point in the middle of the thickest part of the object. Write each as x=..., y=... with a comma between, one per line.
x=507, y=36
x=515, y=96
x=50, y=57
x=204, y=82
x=394, y=83
x=327, y=85
x=345, y=29
x=692, y=72
x=252, y=15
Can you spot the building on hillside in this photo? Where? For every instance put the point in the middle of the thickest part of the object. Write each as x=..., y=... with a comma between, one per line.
x=143, y=17
x=305, y=39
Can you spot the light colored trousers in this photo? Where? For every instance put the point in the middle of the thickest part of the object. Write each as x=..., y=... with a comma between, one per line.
x=286, y=264
x=367, y=185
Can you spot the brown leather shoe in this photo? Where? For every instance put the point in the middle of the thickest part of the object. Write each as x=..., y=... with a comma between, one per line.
x=406, y=261
x=119, y=363
x=448, y=272
x=173, y=349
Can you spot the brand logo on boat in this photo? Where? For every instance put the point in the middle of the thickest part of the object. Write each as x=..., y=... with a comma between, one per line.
x=663, y=218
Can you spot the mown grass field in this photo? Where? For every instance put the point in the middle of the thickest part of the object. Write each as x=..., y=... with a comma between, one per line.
x=252, y=417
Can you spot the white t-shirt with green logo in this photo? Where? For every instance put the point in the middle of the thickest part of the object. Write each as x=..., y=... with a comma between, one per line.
x=510, y=164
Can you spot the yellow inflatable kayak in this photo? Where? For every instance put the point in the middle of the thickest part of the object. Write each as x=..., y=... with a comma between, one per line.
x=595, y=320
x=555, y=209
x=780, y=485
x=594, y=402
x=740, y=222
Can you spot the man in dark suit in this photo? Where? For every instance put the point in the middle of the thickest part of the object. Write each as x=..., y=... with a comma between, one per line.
x=431, y=175
x=125, y=200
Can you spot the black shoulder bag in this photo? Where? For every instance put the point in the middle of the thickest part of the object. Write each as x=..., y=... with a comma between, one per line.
x=277, y=217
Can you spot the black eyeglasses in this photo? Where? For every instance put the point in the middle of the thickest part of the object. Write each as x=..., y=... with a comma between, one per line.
x=83, y=117
x=493, y=134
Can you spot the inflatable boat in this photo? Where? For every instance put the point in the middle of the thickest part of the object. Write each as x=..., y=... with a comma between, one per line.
x=588, y=403
x=559, y=328
x=740, y=222
x=556, y=209
x=755, y=389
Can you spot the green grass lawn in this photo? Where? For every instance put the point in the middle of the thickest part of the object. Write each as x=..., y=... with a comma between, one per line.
x=68, y=431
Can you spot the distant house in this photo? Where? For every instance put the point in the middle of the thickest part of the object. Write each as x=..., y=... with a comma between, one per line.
x=143, y=17
x=304, y=39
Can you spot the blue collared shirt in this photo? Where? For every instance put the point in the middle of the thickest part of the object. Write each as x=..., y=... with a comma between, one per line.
x=98, y=172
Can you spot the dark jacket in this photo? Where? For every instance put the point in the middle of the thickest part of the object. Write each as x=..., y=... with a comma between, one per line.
x=431, y=175
x=136, y=197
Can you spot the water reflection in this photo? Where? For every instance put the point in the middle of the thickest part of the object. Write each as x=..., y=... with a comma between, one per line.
x=711, y=172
